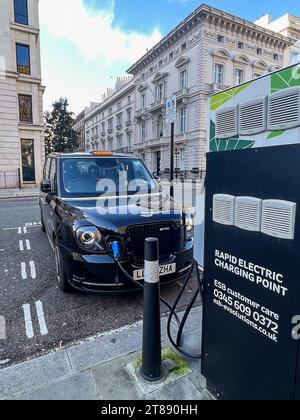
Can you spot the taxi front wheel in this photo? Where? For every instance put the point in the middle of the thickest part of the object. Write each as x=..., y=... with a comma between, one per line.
x=61, y=276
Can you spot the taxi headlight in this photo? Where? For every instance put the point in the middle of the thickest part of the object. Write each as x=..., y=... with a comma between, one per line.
x=89, y=238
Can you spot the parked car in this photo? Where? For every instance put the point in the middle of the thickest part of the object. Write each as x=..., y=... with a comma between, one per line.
x=83, y=214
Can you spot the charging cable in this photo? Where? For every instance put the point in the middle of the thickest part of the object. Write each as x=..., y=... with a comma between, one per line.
x=180, y=323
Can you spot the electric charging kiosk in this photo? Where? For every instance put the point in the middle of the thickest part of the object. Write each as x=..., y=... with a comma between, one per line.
x=252, y=240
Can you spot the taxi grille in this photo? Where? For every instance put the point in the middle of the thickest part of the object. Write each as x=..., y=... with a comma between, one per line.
x=165, y=233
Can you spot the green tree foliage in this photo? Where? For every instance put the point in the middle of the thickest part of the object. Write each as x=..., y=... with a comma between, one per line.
x=59, y=133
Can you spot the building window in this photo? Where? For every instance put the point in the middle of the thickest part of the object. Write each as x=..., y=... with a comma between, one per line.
x=160, y=127
x=182, y=160
x=220, y=39
x=183, y=46
x=239, y=76
x=276, y=57
x=119, y=106
x=28, y=165
x=241, y=45
x=120, y=142
x=103, y=127
x=171, y=55
x=259, y=51
x=128, y=115
x=21, y=12
x=110, y=111
x=143, y=131
x=183, y=120
x=151, y=70
x=183, y=79
x=129, y=99
x=160, y=64
x=119, y=119
x=129, y=145
x=143, y=101
x=23, y=58
x=295, y=57
x=25, y=109
x=219, y=74
x=110, y=124
x=160, y=91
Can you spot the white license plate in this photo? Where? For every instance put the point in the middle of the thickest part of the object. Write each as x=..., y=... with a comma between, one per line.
x=164, y=270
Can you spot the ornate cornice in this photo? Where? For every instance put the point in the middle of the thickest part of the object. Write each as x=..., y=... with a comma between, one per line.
x=159, y=76
x=214, y=17
x=183, y=61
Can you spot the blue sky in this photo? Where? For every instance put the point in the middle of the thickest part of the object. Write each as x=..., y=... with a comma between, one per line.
x=99, y=39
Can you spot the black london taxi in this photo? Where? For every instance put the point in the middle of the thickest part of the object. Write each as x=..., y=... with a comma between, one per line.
x=89, y=201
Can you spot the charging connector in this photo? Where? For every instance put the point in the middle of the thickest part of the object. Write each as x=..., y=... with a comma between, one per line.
x=115, y=247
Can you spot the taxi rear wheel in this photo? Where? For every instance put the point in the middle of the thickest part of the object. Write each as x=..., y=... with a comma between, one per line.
x=43, y=228
x=61, y=276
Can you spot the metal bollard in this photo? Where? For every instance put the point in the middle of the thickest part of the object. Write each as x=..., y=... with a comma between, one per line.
x=152, y=369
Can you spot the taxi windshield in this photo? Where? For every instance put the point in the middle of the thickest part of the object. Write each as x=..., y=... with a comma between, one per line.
x=109, y=175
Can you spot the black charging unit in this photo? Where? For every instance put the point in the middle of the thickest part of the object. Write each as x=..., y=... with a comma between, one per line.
x=252, y=278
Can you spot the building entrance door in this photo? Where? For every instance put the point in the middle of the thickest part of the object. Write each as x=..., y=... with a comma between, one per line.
x=28, y=163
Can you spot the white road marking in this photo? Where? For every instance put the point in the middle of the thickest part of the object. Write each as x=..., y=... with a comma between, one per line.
x=23, y=271
x=34, y=224
x=25, y=230
x=19, y=229
x=27, y=243
x=32, y=270
x=41, y=317
x=28, y=321
x=2, y=328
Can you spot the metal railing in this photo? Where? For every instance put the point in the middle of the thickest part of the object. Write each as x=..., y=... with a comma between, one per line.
x=185, y=175
x=10, y=179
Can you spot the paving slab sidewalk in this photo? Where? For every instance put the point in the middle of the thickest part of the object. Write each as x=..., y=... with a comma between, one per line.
x=95, y=369
x=24, y=193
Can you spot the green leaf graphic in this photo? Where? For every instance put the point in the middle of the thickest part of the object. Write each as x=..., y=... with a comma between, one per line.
x=226, y=145
x=285, y=79
x=223, y=97
x=274, y=134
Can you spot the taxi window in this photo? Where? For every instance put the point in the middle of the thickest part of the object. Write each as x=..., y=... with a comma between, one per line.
x=47, y=169
x=53, y=175
x=82, y=176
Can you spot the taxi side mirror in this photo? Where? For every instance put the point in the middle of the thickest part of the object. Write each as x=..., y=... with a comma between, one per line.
x=46, y=186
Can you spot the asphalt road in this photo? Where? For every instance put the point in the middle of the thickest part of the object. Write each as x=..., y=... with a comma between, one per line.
x=37, y=316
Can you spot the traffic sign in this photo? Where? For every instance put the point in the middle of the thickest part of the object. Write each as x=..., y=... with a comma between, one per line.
x=171, y=110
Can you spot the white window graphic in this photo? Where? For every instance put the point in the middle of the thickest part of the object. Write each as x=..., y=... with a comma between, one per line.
x=223, y=209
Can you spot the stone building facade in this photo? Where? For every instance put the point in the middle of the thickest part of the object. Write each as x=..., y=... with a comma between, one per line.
x=109, y=125
x=289, y=26
x=209, y=51
x=21, y=91
x=79, y=127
